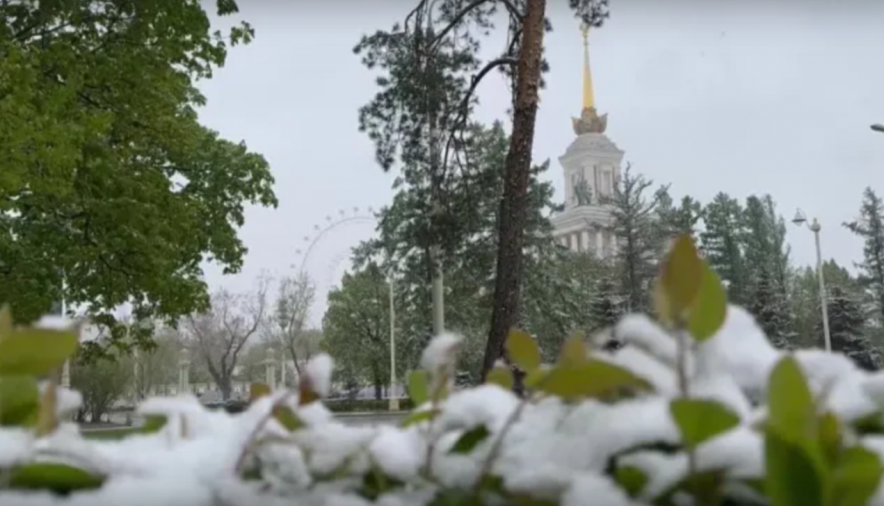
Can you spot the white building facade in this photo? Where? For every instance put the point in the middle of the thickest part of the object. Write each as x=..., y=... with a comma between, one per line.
x=591, y=167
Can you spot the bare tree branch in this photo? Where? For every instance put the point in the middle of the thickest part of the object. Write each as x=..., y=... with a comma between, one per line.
x=220, y=334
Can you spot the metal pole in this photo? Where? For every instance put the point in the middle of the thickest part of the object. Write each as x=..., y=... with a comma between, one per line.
x=824, y=303
x=66, y=368
x=394, y=399
x=438, y=295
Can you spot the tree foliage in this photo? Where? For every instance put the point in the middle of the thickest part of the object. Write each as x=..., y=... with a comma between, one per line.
x=870, y=227
x=721, y=242
x=639, y=242
x=846, y=328
x=765, y=283
x=109, y=182
x=357, y=326
x=101, y=382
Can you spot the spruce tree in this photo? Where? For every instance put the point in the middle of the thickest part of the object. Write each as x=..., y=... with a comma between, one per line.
x=721, y=243
x=766, y=295
x=681, y=219
x=638, y=239
x=846, y=326
x=870, y=227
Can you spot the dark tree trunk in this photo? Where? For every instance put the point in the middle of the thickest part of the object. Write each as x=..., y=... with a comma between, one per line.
x=225, y=387
x=513, y=205
x=378, y=385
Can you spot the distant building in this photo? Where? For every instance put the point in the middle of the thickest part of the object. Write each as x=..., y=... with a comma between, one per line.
x=591, y=166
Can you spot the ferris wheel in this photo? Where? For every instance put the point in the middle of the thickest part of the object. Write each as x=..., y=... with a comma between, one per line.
x=313, y=242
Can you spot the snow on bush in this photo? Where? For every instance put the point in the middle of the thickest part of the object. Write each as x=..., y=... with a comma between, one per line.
x=695, y=408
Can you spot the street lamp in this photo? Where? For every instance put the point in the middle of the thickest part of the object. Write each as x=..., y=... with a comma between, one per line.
x=878, y=127
x=814, y=226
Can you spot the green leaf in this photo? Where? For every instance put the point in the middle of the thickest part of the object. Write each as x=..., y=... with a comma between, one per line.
x=153, y=423
x=523, y=350
x=631, y=479
x=502, y=377
x=258, y=390
x=19, y=401
x=699, y=420
x=791, y=411
x=58, y=478
x=287, y=418
x=682, y=275
x=573, y=352
x=856, y=477
x=418, y=417
x=792, y=478
x=470, y=439
x=591, y=379
x=830, y=436
x=36, y=352
x=419, y=387
x=710, y=310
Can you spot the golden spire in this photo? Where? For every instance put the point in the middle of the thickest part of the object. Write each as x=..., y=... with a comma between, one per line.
x=589, y=122
x=588, y=95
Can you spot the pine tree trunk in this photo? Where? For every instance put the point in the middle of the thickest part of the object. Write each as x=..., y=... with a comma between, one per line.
x=513, y=205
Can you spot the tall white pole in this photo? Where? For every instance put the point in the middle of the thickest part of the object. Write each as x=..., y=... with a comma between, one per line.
x=394, y=399
x=66, y=368
x=438, y=294
x=824, y=302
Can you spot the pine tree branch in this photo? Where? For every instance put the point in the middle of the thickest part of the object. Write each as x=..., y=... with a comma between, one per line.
x=465, y=103
x=510, y=7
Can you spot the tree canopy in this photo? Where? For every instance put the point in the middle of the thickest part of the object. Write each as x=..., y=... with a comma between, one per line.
x=111, y=191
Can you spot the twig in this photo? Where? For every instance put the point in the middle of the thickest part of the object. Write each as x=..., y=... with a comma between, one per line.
x=240, y=462
x=498, y=443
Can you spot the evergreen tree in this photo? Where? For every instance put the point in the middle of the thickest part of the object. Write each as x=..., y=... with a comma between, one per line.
x=472, y=195
x=766, y=293
x=870, y=227
x=638, y=240
x=677, y=220
x=606, y=306
x=804, y=299
x=846, y=323
x=721, y=243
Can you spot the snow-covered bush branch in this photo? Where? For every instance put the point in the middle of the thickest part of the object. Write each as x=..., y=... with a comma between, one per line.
x=695, y=407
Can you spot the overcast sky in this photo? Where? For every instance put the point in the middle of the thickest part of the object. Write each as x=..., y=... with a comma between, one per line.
x=736, y=96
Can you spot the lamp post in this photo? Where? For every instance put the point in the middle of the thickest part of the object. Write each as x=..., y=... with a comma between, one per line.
x=814, y=226
x=878, y=127
x=394, y=400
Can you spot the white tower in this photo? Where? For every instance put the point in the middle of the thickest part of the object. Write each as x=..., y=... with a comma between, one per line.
x=591, y=167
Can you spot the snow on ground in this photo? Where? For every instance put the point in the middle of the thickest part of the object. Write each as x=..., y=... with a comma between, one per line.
x=553, y=449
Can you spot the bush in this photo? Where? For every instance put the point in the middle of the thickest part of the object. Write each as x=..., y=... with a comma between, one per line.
x=664, y=420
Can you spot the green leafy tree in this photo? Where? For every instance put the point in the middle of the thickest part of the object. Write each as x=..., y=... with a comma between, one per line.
x=638, y=240
x=356, y=327
x=870, y=227
x=721, y=242
x=846, y=328
x=111, y=191
x=102, y=383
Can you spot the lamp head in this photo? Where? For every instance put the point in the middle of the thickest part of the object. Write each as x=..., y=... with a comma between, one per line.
x=799, y=218
x=878, y=127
